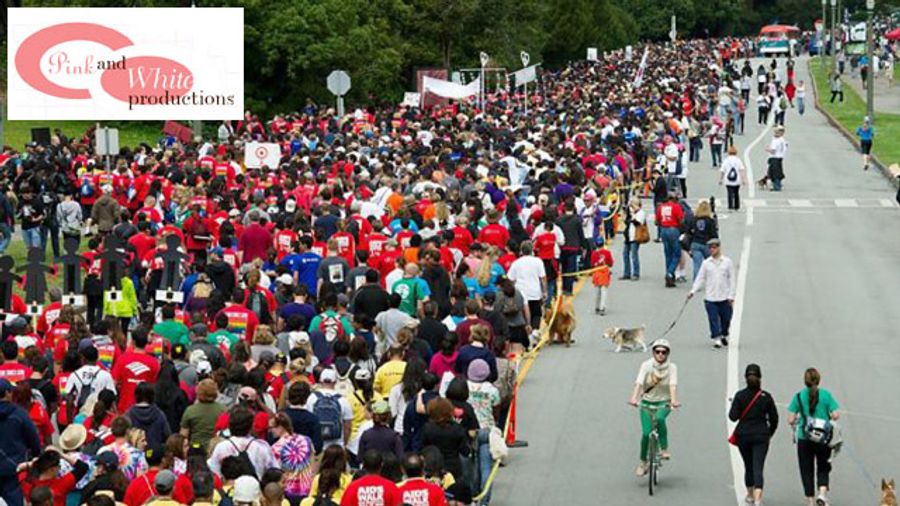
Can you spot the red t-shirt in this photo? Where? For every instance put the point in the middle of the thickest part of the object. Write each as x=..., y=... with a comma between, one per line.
x=14, y=372
x=374, y=243
x=420, y=492
x=462, y=239
x=131, y=369
x=601, y=257
x=495, y=235
x=545, y=246
x=48, y=317
x=141, y=488
x=60, y=486
x=371, y=490
x=255, y=242
x=669, y=214
x=346, y=246
x=283, y=241
x=142, y=244
x=403, y=238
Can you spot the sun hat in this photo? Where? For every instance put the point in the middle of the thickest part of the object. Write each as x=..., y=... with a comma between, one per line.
x=73, y=437
x=246, y=489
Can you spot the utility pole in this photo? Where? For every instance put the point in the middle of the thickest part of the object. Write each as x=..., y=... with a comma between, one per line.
x=833, y=39
x=822, y=35
x=870, y=50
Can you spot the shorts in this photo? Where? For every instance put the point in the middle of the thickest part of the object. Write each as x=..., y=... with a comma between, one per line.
x=865, y=147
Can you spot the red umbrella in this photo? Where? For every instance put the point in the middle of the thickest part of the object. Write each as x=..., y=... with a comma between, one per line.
x=893, y=34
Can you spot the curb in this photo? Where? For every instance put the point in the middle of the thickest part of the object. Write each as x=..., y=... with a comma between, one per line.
x=892, y=180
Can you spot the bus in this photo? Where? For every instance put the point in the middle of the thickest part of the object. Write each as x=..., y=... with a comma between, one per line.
x=778, y=39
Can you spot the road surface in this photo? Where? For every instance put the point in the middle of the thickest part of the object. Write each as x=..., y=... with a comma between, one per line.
x=821, y=288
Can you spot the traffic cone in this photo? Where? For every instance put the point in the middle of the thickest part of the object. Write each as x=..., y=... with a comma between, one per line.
x=511, y=441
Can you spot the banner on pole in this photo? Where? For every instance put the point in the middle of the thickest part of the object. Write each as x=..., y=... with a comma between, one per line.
x=258, y=154
x=639, y=76
x=629, y=53
x=592, y=54
x=448, y=89
x=525, y=75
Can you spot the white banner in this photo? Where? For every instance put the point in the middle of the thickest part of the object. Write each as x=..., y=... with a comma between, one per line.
x=629, y=53
x=257, y=154
x=639, y=76
x=449, y=89
x=525, y=75
x=592, y=54
x=411, y=99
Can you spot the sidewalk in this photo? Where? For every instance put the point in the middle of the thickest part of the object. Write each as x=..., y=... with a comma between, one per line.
x=886, y=99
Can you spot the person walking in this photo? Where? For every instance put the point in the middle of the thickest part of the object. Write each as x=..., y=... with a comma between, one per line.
x=718, y=276
x=656, y=387
x=670, y=217
x=703, y=227
x=777, y=149
x=866, y=134
x=636, y=232
x=733, y=175
x=837, y=88
x=801, y=97
x=20, y=441
x=813, y=407
x=756, y=415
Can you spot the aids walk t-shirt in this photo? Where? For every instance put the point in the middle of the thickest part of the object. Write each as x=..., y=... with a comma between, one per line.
x=371, y=490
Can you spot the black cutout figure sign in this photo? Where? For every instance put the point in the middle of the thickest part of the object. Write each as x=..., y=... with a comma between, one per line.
x=113, y=257
x=35, y=277
x=72, y=267
x=8, y=278
x=172, y=258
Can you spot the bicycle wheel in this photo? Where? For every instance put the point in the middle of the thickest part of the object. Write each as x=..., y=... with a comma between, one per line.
x=651, y=463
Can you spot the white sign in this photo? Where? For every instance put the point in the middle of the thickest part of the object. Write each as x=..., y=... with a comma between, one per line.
x=257, y=154
x=526, y=75
x=107, y=141
x=592, y=54
x=338, y=82
x=411, y=99
x=125, y=64
x=484, y=59
x=449, y=89
x=673, y=32
x=629, y=53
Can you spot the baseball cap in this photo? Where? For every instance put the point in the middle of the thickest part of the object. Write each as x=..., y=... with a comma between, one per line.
x=109, y=460
x=247, y=394
x=713, y=242
x=285, y=279
x=328, y=376
x=165, y=481
x=218, y=251
x=381, y=407
x=753, y=370
x=246, y=489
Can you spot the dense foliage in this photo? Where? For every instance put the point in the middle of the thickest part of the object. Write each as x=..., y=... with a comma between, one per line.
x=291, y=45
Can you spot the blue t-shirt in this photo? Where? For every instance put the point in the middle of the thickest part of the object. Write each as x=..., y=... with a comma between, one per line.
x=396, y=228
x=292, y=261
x=306, y=273
x=865, y=134
x=824, y=408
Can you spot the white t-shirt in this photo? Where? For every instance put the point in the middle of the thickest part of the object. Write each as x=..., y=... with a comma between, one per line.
x=258, y=450
x=92, y=376
x=654, y=387
x=732, y=168
x=527, y=272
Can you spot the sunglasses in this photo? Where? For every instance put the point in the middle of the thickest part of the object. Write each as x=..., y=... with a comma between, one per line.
x=661, y=352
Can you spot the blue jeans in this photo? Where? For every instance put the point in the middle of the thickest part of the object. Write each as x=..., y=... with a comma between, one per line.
x=716, y=150
x=631, y=259
x=569, y=261
x=719, y=314
x=699, y=252
x=801, y=106
x=5, y=237
x=485, y=462
x=32, y=237
x=671, y=248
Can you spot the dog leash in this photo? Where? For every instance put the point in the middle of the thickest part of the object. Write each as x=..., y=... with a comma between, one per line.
x=675, y=321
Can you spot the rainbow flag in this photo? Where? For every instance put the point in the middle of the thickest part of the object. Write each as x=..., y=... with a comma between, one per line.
x=106, y=353
x=155, y=347
x=237, y=323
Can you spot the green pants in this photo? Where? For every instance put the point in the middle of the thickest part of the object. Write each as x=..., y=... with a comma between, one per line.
x=647, y=425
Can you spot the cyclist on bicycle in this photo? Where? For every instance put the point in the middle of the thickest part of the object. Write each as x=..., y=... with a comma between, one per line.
x=656, y=384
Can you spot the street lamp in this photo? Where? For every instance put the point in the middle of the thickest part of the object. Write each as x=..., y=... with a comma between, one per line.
x=832, y=38
x=870, y=49
x=822, y=35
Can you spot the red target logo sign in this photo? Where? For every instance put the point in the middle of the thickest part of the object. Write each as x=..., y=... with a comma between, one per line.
x=261, y=152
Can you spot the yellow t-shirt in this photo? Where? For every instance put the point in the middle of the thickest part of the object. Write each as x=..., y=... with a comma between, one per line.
x=388, y=375
x=359, y=410
x=346, y=478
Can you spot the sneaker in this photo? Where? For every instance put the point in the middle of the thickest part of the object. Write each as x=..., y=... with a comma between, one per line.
x=822, y=500
x=602, y=311
x=748, y=501
x=657, y=240
x=717, y=343
x=724, y=341
x=681, y=279
x=597, y=310
x=641, y=469
x=665, y=454
x=624, y=278
x=635, y=278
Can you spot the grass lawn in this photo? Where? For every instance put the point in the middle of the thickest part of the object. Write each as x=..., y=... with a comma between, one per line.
x=17, y=250
x=131, y=133
x=851, y=112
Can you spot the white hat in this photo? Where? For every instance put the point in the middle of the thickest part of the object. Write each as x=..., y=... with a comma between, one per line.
x=246, y=489
x=328, y=376
x=285, y=279
x=297, y=338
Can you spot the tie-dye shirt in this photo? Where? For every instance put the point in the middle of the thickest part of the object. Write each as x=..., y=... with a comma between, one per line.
x=132, y=461
x=294, y=453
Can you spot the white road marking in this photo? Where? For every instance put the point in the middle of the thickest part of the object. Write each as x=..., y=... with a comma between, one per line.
x=846, y=203
x=887, y=203
x=750, y=216
x=748, y=165
x=757, y=203
x=800, y=203
x=734, y=343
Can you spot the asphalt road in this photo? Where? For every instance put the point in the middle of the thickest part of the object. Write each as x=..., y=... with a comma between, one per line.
x=821, y=288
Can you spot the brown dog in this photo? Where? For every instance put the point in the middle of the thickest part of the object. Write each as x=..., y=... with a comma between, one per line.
x=888, y=493
x=563, y=324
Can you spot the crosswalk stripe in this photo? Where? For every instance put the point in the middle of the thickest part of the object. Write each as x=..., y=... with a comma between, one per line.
x=757, y=203
x=887, y=203
x=846, y=203
x=800, y=203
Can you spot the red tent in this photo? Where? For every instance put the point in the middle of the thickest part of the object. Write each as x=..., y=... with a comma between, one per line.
x=778, y=29
x=893, y=34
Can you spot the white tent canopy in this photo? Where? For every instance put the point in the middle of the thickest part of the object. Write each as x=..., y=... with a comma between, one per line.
x=449, y=89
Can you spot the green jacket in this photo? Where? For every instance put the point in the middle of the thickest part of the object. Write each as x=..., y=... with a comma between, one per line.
x=126, y=306
x=173, y=331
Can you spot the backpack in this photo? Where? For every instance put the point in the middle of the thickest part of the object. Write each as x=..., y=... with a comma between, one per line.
x=244, y=457
x=70, y=224
x=224, y=498
x=509, y=306
x=817, y=430
x=84, y=394
x=783, y=103
x=87, y=188
x=732, y=175
x=344, y=386
x=332, y=328
x=328, y=410
x=257, y=303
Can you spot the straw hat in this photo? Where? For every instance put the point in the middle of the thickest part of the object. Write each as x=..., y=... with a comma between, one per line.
x=73, y=437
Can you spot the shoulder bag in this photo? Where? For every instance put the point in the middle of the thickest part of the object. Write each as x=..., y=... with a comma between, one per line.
x=733, y=438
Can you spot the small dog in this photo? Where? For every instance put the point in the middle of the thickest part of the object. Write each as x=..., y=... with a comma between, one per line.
x=888, y=493
x=763, y=183
x=564, y=323
x=626, y=338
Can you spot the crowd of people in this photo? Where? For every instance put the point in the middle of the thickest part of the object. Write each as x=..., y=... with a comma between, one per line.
x=348, y=320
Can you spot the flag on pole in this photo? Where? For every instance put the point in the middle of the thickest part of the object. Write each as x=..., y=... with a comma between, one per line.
x=639, y=76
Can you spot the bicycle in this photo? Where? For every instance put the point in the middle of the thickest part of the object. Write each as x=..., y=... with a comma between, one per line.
x=654, y=454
